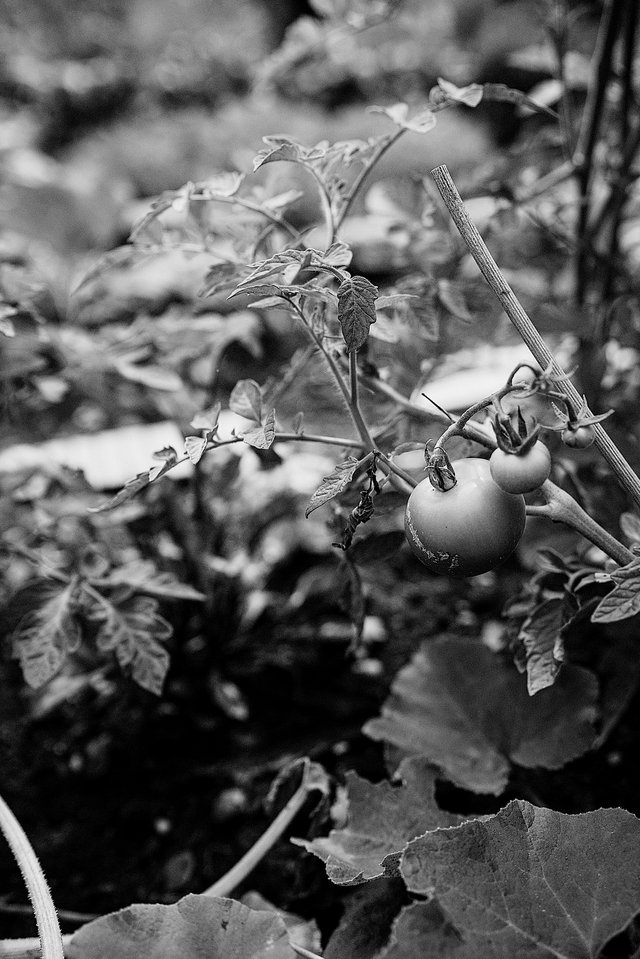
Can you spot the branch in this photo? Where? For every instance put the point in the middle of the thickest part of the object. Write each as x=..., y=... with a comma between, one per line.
x=39, y=893
x=523, y=324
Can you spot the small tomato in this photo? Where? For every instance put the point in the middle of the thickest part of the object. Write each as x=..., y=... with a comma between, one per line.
x=578, y=437
x=521, y=472
x=468, y=529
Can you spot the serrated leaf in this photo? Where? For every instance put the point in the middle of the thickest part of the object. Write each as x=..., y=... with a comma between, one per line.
x=470, y=95
x=382, y=819
x=218, y=278
x=261, y=437
x=542, y=638
x=246, y=400
x=134, y=631
x=468, y=711
x=142, y=576
x=47, y=632
x=333, y=484
x=624, y=599
x=532, y=882
x=365, y=924
x=356, y=310
x=133, y=486
x=196, y=927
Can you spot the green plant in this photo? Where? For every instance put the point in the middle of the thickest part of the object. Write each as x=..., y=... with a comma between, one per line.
x=490, y=717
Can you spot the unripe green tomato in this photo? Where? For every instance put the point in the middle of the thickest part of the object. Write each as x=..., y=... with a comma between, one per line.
x=578, y=437
x=521, y=472
x=468, y=529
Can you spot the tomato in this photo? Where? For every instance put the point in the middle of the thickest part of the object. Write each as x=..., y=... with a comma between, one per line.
x=468, y=529
x=521, y=473
x=578, y=437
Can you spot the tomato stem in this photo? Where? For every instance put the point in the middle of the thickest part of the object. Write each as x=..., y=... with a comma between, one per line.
x=561, y=507
x=524, y=325
x=311, y=780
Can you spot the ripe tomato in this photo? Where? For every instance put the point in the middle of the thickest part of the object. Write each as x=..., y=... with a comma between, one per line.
x=578, y=437
x=521, y=473
x=468, y=529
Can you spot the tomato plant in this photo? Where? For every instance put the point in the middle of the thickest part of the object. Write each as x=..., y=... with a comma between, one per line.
x=521, y=472
x=468, y=529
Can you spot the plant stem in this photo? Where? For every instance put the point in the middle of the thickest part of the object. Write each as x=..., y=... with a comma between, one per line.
x=25, y=948
x=354, y=409
x=304, y=952
x=388, y=142
x=523, y=324
x=39, y=894
x=583, y=154
x=227, y=883
x=561, y=507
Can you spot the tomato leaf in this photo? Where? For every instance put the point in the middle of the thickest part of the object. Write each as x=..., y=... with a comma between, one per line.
x=137, y=483
x=261, y=437
x=195, y=927
x=246, y=400
x=134, y=631
x=468, y=711
x=356, y=310
x=531, y=881
x=333, y=484
x=624, y=599
x=470, y=95
x=48, y=630
x=382, y=820
x=541, y=635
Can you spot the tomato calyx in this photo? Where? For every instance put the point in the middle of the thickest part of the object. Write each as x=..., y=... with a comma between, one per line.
x=439, y=469
x=517, y=437
x=576, y=428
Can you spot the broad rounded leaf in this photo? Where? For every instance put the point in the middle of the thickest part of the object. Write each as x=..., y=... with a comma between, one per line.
x=531, y=882
x=382, y=820
x=246, y=400
x=196, y=927
x=468, y=711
